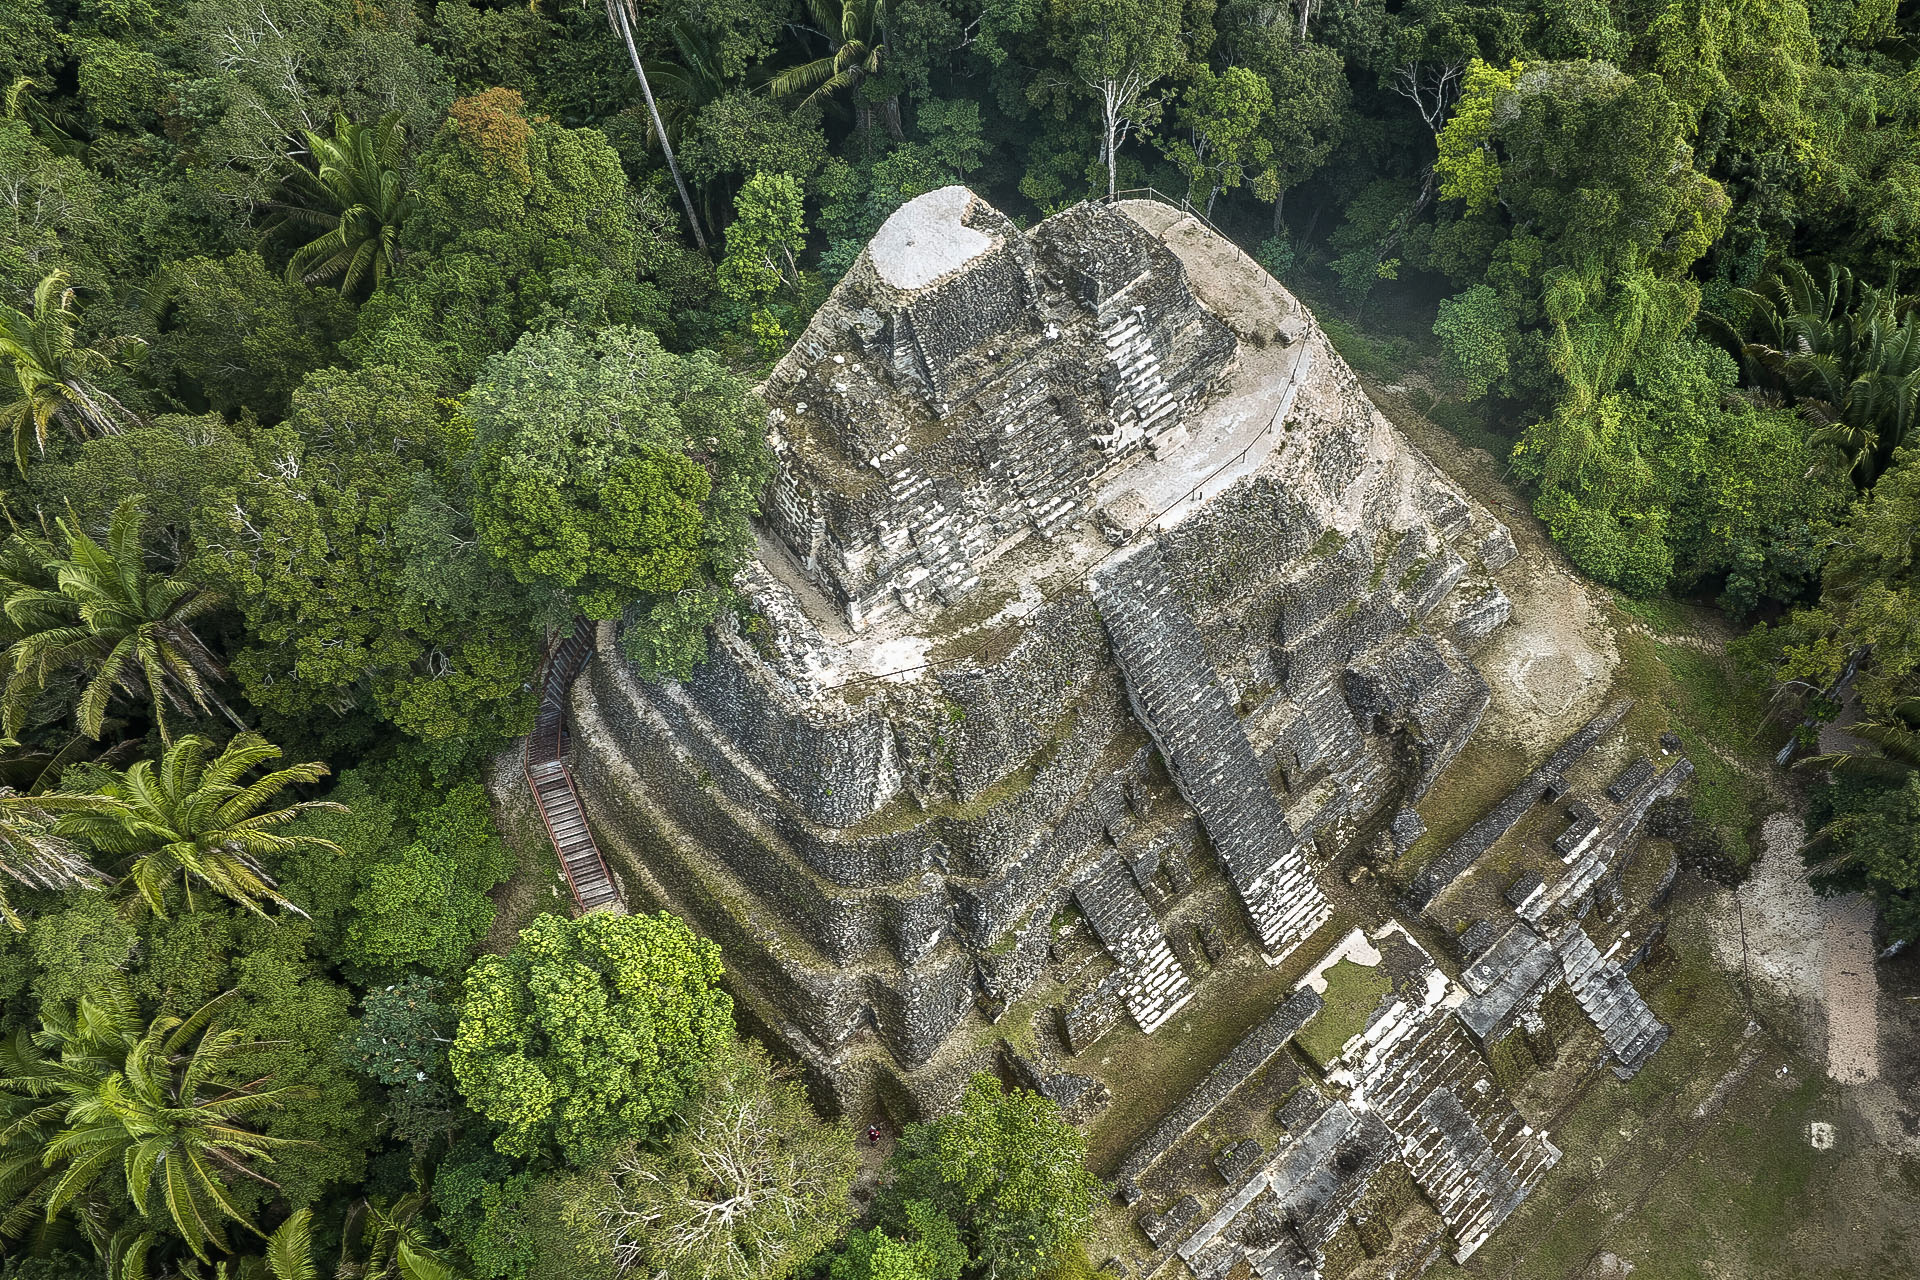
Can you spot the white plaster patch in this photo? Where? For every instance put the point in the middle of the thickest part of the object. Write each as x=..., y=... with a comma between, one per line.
x=1354, y=947
x=924, y=240
x=897, y=657
x=1820, y=1135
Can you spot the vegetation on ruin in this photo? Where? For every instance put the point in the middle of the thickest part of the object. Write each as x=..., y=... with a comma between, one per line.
x=1353, y=993
x=351, y=347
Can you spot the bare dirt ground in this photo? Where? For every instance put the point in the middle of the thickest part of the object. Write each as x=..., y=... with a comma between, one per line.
x=1816, y=953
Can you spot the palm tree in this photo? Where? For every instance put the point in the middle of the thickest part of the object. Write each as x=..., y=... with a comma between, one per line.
x=357, y=192
x=32, y=854
x=394, y=1247
x=1846, y=356
x=93, y=1092
x=55, y=374
x=622, y=17
x=101, y=611
x=192, y=819
x=856, y=44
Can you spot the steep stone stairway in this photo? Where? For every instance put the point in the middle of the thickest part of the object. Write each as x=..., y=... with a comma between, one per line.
x=1177, y=696
x=1464, y=1144
x=1156, y=985
x=552, y=782
x=1607, y=995
x=1146, y=401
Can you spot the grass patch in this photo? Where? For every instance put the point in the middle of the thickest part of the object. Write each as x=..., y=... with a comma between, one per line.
x=1736, y=1191
x=1721, y=722
x=1353, y=992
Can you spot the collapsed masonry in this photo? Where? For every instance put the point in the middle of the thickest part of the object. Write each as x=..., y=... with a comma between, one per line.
x=1096, y=612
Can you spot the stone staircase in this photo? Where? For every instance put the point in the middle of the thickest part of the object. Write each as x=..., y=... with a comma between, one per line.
x=1143, y=405
x=1177, y=697
x=1037, y=455
x=552, y=782
x=1465, y=1146
x=1608, y=997
x=1155, y=984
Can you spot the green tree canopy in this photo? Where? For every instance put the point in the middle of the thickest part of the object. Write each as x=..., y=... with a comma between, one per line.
x=590, y=1032
x=623, y=475
x=1008, y=1169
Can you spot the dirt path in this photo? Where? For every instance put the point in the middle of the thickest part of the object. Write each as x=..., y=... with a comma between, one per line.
x=1817, y=952
x=1852, y=991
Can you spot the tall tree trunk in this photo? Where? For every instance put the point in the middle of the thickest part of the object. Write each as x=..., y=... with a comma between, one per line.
x=1112, y=122
x=1279, y=202
x=890, y=112
x=1306, y=7
x=618, y=14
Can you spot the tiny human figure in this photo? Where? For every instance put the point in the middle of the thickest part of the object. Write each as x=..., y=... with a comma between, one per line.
x=873, y=1135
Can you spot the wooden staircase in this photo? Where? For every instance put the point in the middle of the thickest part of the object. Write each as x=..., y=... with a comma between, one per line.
x=552, y=782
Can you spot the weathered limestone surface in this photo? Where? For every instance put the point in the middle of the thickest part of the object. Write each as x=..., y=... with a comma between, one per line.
x=1096, y=612
x=945, y=722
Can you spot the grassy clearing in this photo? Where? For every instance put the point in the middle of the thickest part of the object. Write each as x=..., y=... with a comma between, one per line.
x=1160, y=1070
x=1721, y=722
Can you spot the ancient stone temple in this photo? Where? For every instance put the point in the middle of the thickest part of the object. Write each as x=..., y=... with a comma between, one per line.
x=1097, y=615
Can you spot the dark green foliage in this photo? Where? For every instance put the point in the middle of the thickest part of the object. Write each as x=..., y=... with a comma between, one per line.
x=231, y=334
x=408, y=890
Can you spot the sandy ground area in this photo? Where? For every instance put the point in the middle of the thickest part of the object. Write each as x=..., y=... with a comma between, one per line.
x=1551, y=666
x=1815, y=952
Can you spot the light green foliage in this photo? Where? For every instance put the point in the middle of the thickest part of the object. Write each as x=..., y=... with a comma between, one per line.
x=1468, y=168
x=587, y=481
x=1476, y=333
x=194, y=817
x=357, y=570
x=168, y=461
x=57, y=376
x=768, y=229
x=1005, y=1167
x=97, y=613
x=1223, y=119
x=751, y=1184
x=229, y=335
x=1596, y=163
x=589, y=1032
x=928, y=1249
x=1670, y=477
